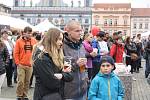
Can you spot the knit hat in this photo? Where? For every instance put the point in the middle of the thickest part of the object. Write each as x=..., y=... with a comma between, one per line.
x=108, y=59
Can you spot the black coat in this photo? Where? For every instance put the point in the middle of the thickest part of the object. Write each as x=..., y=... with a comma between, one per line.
x=46, y=83
x=4, y=58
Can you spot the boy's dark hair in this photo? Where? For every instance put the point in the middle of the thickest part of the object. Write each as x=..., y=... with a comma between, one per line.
x=119, y=32
x=108, y=59
x=101, y=34
x=27, y=29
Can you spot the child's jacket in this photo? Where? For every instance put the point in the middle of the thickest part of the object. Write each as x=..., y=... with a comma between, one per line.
x=106, y=87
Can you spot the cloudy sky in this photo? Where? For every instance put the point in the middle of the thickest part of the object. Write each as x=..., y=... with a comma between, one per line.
x=134, y=3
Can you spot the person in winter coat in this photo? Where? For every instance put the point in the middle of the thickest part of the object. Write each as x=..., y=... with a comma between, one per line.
x=76, y=89
x=48, y=67
x=147, y=51
x=96, y=59
x=130, y=47
x=10, y=47
x=4, y=61
x=106, y=85
x=117, y=50
x=90, y=53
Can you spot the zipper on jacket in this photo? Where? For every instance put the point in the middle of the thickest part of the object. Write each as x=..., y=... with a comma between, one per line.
x=109, y=92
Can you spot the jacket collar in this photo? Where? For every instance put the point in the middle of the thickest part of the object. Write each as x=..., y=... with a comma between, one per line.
x=106, y=75
x=74, y=45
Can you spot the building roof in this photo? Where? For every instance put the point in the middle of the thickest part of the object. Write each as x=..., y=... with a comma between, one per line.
x=112, y=5
x=2, y=5
x=140, y=12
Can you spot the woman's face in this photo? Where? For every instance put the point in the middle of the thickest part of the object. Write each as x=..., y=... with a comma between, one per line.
x=59, y=42
x=90, y=38
x=5, y=35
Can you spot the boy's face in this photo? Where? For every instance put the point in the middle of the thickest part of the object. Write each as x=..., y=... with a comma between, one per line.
x=106, y=68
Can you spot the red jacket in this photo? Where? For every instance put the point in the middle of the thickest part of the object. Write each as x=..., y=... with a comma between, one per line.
x=116, y=52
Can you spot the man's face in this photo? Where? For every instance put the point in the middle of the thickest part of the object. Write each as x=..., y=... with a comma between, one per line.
x=120, y=35
x=75, y=32
x=27, y=35
x=107, y=35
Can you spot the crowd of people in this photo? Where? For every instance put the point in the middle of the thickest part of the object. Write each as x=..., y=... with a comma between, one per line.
x=89, y=75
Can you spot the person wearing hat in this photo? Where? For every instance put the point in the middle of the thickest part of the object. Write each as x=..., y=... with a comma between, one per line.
x=106, y=85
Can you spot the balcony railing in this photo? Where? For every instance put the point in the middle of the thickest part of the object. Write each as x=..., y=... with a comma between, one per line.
x=52, y=8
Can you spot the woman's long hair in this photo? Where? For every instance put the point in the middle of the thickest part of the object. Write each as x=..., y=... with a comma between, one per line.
x=49, y=43
x=1, y=42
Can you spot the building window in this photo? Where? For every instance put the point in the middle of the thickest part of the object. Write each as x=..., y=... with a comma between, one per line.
x=125, y=22
x=105, y=31
x=115, y=22
x=38, y=20
x=22, y=16
x=115, y=30
x=16, y=3
x=110, y=31
x=110, y=22
x=87, y=21
x=125, y=32
x=134, y=26
x=96, y=22
x=28, y=20
x=146, y=26
x=39, y=15
x=140, y=26
x=105, y=22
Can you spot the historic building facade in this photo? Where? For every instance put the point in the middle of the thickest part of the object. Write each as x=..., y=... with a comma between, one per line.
x=5, y=10
x=54, y=10
x=140, y=20
x=59, y=16
x=112, y=17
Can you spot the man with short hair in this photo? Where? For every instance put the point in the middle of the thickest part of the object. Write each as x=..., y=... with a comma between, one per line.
x=77, y=89
x=22, y=56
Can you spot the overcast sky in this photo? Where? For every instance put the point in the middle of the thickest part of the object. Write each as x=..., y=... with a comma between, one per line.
x=134, y=3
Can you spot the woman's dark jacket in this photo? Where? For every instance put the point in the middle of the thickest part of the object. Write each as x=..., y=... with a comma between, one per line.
x=4, y=58
x=130, y=48
x=46, y=83
x=147, y=50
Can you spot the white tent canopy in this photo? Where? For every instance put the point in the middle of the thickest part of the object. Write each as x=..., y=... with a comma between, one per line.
x=145, y=34
x=14, y=22
x=45, y=26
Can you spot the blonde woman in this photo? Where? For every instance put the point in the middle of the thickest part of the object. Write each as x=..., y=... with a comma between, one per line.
x=48, y=67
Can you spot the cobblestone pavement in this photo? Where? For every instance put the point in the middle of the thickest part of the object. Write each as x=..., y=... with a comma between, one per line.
x=140, y=91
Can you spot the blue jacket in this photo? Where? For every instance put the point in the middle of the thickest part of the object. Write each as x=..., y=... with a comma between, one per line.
x=106, y=87
x=96, y=45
